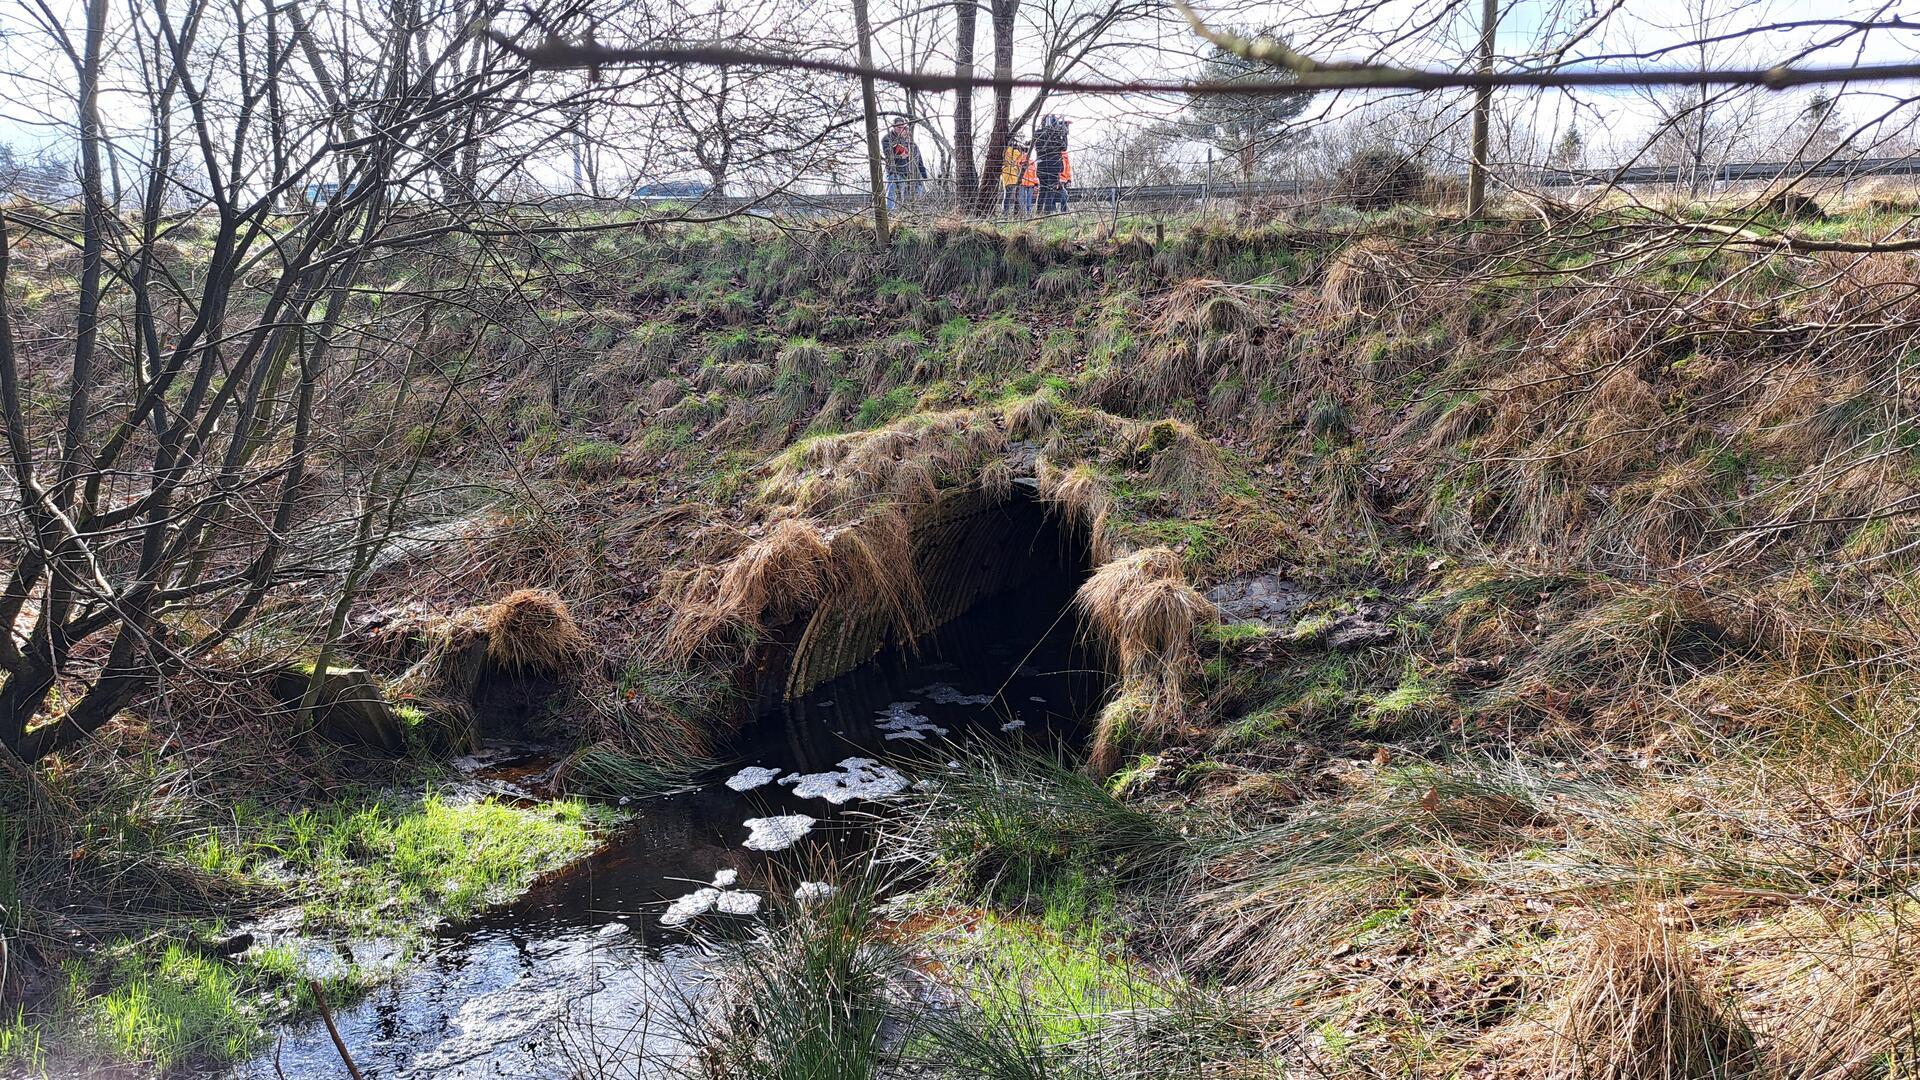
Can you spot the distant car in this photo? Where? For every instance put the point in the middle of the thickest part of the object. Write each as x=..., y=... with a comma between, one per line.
x=672, y=189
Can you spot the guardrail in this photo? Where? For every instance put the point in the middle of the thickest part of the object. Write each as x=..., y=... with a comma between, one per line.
x=1150, y=194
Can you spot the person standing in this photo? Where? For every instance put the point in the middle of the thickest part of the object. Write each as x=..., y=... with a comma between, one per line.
x=1066, y=180
x=1029, y=183
x=1015, y=196
x=1049, y=151
x=905, y=169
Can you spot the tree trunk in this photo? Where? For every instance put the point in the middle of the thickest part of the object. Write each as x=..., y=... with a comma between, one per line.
x=1003, y=13
x=1482, y=113
x=870, y=102
x=966, y=173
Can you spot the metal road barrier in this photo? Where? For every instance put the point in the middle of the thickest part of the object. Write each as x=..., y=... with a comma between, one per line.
x=1108, y=196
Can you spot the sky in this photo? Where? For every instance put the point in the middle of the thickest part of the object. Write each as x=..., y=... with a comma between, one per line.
x=35, y=83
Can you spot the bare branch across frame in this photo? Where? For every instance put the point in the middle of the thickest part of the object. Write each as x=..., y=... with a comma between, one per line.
x=1309, y=76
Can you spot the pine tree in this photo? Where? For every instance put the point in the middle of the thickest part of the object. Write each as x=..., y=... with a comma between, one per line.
x=1250, y=128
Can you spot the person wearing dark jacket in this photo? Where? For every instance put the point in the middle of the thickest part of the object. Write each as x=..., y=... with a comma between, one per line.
x=1049, y=153
x=906, y=171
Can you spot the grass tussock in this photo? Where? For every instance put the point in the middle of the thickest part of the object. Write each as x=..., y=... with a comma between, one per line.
x=1368, y=279
x=532, y=630
x=1635, y=1009
x=771, y=580
x=1183, y=462
x=811, y=999
x=1031, y=418
x=1080, y=496
x=1142, y=609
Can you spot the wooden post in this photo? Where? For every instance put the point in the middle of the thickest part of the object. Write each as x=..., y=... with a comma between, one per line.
x=871, y=103
x=1482, y=110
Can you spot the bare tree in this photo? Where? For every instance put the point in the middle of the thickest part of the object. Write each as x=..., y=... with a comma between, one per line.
x=177, y=482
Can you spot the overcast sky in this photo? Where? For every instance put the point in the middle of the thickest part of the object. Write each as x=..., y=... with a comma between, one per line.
x=35, y=83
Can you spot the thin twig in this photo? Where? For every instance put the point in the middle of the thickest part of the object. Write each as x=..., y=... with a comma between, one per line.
x=326, y=1014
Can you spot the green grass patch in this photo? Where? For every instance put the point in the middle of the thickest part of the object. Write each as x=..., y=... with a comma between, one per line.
x=1052, y=986
x=170, y=1005
x=879, y=409
x=593, y=460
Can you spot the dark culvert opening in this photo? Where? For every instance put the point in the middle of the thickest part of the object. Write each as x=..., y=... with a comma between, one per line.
x=994, y=574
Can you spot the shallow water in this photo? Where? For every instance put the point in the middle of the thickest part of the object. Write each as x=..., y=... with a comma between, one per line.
x=581, y=978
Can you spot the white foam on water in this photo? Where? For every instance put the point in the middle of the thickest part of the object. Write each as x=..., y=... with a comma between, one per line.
x=900, y=721
x=751, y=777
x=812, y=892
x=612, y=930
x=690, y=907
x=858, y=778
x=719, y=896
x=1036, y=697
x=1013, y=725
x=943, y=694
x=777, y=833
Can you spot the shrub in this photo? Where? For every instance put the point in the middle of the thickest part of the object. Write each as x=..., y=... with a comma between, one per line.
x=1378, y=177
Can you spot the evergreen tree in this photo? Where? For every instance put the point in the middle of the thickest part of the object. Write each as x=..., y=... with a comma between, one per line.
x=1249, y=128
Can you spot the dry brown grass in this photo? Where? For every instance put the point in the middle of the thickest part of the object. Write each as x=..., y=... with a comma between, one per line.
x=1864, y=290
x=769, y=582
x=1636, y=1009
x=1080, y=497
x=1142, y=609
x=1838, y=1002
x=1369, y=279
x=1661, y=520
x=907, y=462
x=741, y=376
x=442, y=682
x=532, y=630
x=1200, y=308
x=1184, y=463
x=873, y=567
x=1031, y=419
x=1619, y=430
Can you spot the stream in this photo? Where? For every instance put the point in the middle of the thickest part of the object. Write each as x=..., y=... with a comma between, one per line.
x=586, y=974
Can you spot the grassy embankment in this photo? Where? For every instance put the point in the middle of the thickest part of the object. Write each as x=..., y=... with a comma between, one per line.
x=1583, y=753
